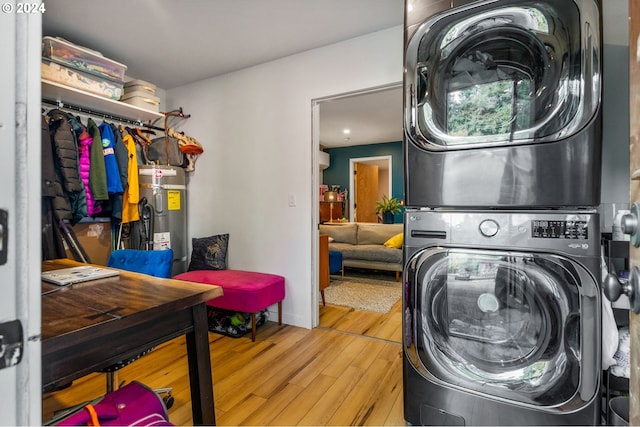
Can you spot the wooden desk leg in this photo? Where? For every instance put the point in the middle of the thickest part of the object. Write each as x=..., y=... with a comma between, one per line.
x=199, y=358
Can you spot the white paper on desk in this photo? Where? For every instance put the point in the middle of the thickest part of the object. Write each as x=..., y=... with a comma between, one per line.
x=82, y=273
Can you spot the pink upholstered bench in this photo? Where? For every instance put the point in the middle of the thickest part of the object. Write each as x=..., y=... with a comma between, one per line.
x=244, y=291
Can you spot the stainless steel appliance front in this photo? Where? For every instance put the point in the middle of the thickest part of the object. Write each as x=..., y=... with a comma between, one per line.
x=501, y=318
x=502, y=103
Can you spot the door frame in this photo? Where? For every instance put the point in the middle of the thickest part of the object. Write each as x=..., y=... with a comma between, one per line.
x=315, y=185
x=20, y=128
x=352, y=163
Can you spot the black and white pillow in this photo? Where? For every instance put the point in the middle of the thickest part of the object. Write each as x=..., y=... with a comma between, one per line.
x=209, y=253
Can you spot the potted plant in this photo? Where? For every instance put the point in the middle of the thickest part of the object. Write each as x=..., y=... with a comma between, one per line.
x=388, y=207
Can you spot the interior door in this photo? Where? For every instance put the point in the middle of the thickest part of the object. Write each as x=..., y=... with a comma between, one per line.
x=366, y=192
x=634, y=165
x=20, y=216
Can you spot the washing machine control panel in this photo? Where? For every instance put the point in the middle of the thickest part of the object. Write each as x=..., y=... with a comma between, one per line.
x=546, y=229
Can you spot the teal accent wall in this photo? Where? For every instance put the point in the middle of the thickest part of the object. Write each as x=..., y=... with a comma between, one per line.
x=338, y=171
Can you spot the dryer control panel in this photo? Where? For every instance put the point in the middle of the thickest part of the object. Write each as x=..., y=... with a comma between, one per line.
x=545, y=229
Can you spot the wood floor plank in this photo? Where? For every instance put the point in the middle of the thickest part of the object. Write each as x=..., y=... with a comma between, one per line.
x=358, y=404
x=396, y=415
x=289, y=365
x=323, y=410
x=344, y=358
x=382, y=404
x=324, y=357
x=303, y=403
x=272, y=407
x=235, y=417
x=289, y=376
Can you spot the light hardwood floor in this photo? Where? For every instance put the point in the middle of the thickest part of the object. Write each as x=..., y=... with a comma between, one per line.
x=346, y=372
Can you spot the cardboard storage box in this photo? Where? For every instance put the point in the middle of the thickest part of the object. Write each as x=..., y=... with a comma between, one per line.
x=143, y=100
x=139, y=86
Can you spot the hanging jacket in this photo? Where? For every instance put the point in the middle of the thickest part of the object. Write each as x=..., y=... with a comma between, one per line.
x=65, y=151
x=65, y=161
x=131, y=196
x=122, y=155
x=97, y=173
x=114, y=186
x=84, y=154
x=78, y=200
x=52, y=246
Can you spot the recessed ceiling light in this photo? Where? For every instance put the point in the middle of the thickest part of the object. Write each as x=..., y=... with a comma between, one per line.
x=346, y=131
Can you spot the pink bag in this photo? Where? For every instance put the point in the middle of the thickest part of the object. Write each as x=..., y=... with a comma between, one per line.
x=133, y=404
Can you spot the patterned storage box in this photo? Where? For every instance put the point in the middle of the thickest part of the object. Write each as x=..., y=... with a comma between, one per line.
x=58, y=73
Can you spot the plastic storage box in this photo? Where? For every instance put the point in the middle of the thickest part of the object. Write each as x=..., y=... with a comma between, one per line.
x=58, y=73
x=81, y=58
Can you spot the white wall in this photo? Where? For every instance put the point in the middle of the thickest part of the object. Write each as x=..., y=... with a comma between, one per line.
x=255, y=126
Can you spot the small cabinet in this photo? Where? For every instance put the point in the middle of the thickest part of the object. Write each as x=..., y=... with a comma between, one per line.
x=323, y=264
x=329, y=213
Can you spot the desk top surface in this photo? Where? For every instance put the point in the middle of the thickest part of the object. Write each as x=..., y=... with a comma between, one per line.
x=128, y=296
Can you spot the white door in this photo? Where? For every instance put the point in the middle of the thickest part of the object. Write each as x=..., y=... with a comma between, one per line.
x=19, y=216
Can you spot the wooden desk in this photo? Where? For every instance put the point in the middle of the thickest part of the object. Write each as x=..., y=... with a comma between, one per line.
x=89, y=326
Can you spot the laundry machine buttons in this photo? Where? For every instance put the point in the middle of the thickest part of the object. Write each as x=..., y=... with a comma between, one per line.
x=489, y=228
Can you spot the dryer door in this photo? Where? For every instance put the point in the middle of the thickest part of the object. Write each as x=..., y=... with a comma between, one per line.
x=520, y=326
x=503, y=72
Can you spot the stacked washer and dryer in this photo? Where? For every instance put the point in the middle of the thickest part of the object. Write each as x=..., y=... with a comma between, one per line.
x=502, y=184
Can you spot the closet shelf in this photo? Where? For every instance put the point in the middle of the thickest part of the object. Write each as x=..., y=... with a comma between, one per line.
x=56, y=92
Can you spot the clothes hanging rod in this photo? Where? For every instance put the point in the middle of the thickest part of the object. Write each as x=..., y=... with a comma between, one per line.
x=89, y=112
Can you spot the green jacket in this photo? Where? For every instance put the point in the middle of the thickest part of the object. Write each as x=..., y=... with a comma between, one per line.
x=97, y=171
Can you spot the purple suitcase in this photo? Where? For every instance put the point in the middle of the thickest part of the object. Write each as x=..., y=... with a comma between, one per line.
x=134, y=404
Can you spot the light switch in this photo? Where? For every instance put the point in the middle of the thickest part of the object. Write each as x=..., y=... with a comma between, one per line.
x=292, y=200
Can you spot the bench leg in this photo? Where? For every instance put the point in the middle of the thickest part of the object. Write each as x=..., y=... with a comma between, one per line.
x=397, y=276
x=279, y=312
x=253, y=321
x=322, y=294
x=253, y=327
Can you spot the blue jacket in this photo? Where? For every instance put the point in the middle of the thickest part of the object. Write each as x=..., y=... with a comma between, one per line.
x=114, y=185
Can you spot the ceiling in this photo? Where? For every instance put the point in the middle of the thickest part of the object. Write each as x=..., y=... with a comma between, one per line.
x=371, y=118
x=172, y=43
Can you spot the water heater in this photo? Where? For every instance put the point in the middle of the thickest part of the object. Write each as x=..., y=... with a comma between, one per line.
x=163, y=205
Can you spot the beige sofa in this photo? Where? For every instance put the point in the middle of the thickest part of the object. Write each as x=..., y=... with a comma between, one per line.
x=362, y=245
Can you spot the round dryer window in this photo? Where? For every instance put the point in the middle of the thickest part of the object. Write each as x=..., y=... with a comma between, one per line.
x=506, y=324
x=504, y=72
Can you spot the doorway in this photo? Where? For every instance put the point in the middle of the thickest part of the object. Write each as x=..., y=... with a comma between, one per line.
x=373, y=116
x=370, y=178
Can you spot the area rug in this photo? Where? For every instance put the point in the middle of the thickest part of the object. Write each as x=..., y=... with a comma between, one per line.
x=363, y=293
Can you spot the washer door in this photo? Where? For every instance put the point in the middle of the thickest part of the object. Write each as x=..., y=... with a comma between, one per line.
x=504, y=324
x=503, y=72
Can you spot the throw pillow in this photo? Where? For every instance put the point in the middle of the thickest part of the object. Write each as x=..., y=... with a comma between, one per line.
x=395, y=241
x=209, y=253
